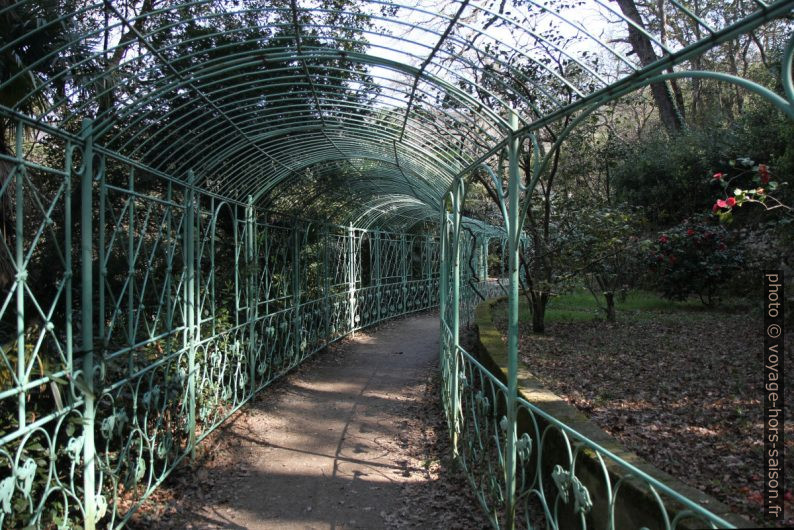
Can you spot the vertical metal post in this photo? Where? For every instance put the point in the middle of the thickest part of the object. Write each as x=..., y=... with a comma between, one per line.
x=404, y=270
x=189, y=250
x=266, y=263
x=484, y=257
x=443, y=286
x=212, y=284
x=296, y=290
x=377, y=273
x=19, y=255
x=169, y=311
x=326, y=283
x=476, y=257
x=198, y=253
x=237, y=265
x=251, y=259
x=514, y=232
x=503, y=259
x=442, y=296
x=102, y=258
x=457, y=206
x=351, y=274
x=428, y=266
x=130, y=270
x=102, y=261
x=67, y=245
x=87, y=323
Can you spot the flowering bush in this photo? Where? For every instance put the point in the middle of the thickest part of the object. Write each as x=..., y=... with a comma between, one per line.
x=750, y=184
x=694, y=257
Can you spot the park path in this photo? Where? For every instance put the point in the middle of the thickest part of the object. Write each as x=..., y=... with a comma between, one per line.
x=346, y=441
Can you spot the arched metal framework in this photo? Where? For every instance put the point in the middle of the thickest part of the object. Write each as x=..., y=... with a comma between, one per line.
x=183, y=122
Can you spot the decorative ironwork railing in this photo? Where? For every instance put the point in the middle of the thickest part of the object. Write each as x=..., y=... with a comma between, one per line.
x=139, y=312
x=533, y=476
x=559, y=470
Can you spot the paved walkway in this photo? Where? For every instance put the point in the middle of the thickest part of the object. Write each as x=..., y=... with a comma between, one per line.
x=327, y=448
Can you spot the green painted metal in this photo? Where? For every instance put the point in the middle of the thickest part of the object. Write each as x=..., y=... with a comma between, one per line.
x=21, y=276
x=351, y=275
x=203, y=75
x=183, y=343
x=513, y=235
x=190, y=342
x=787, y=68
x=457, y=209
x=377, y=273
x=392, y=105
x=86, y=378
x=443, y=293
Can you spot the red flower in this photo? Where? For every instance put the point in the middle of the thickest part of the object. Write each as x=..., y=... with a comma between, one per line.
x=718, y=176
x=721, y=203
x=663, y=239
x=722, y=246
x=690, y=232
x=715, y=208
x=763, y=172
x=731, y=202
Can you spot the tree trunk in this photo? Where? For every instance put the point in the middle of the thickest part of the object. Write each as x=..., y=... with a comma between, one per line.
x=677, y=93
x=126, y=41
x=539, y=301
x=610, y=297
x=642, y=46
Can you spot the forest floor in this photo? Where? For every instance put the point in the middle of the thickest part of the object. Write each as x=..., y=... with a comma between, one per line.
x=354, y=438
x=676, y=383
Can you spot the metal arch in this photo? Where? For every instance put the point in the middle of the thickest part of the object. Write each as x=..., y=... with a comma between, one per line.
x=379, y=211
x=354, y=132
x=399, y=174
x=403, y=142
x=514, y=203
x=331, y=153
x=201, y=77
x=453, y=87
x=352, y=158
x=452, y=34
x=285, y=80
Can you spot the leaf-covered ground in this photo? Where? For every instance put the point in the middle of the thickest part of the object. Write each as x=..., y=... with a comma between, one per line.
x=676, y=384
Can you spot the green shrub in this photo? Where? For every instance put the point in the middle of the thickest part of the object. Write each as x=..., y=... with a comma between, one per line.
x=695, y=257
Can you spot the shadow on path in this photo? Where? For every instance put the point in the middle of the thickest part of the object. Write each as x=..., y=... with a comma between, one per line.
x=353, y=439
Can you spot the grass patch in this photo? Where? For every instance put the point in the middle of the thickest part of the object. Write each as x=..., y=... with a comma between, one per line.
x=580, y=306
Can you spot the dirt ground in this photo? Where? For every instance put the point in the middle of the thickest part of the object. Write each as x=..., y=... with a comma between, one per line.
x=355, y=438
x=683, y=390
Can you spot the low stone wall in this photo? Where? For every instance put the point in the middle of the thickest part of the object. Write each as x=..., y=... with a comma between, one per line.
x=636, y=507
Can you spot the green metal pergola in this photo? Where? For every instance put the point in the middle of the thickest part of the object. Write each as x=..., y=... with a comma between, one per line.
x=158, y=163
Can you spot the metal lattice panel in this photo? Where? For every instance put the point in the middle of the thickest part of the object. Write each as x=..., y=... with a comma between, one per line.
x=189, y=127
x=255, y=97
